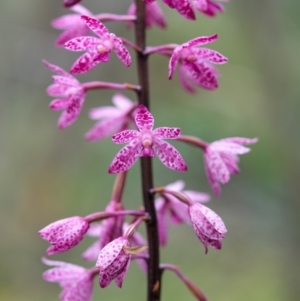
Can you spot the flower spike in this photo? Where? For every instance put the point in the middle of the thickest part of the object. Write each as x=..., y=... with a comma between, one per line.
x=97, y=50
x=145, y=143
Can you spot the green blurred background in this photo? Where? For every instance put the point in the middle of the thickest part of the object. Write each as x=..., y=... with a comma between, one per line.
x=47, y=174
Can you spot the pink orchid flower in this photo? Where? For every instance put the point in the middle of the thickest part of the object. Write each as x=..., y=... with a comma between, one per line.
x=178, y=211
x=209, y=7
x=97, y=50
x=154, y=15
x=208, y=226
x=195, y=63
x=113, y=262
x=76, y=281
x=71, y=25
x=221, y=159
x=71, y=95
x=145, y=143
x=64, y=234
x=112, y=119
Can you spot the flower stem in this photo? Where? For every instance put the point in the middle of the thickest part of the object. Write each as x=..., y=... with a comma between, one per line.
x=153, y=275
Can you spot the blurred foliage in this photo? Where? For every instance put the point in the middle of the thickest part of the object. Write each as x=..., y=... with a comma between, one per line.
x=48, y=174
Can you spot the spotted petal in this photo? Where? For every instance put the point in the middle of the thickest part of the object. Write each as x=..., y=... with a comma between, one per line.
x=167, y=133
x=95, y=25
x=88, y=61
x=82, y=43
x=125, y=136
x=144, y=119
x=202, y=40
x=210, y=56
x=121, y=52
x=126, y=157
x=169, y=155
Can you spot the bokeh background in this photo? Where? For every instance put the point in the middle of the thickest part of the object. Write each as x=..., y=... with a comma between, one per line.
x=47, y=174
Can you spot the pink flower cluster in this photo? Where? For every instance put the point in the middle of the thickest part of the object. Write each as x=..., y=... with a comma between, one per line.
x=117, y=241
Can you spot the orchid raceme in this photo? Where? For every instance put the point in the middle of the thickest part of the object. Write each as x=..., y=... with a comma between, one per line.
x=71, y=24
x=195, y=63
x=221, y=159
x=208, y=226
x=97, y=50
x=64, y=234
x=178, y=211
x=145, y=143
x=112, y=119
x=117, y=243
x=76, y=281
x=71, y=95
x=154, y=15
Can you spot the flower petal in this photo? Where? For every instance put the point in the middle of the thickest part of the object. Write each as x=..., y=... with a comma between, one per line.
x=240, y=140
x=216, y=166
x=88, y=61
x=95, y=25
x=121, y=52
x=210, y=56
x=125, y=136
x=169, y=155
x=105, y=128
x=59, y=104
x=197, y=196
x=122, y=102
x=144, y=119
x=167, y=133
x=184, y=7
x=71, y=113
x=56, y=90
x=185, y=80
x=103, y=112
x=65, y=21
x=71, y=33
x=80, y=9
x=229, y=147
x=110, y=252
x=126, y=157
x=212, y=181
x=202, y=40
x=82, y=43
x=119, y=279
x=57, y=69
x=173, y=61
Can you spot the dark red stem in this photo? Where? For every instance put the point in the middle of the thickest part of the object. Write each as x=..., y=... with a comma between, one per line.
x=153, y=276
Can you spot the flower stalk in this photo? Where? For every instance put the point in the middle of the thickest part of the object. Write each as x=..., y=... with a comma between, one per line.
x=153, y=273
